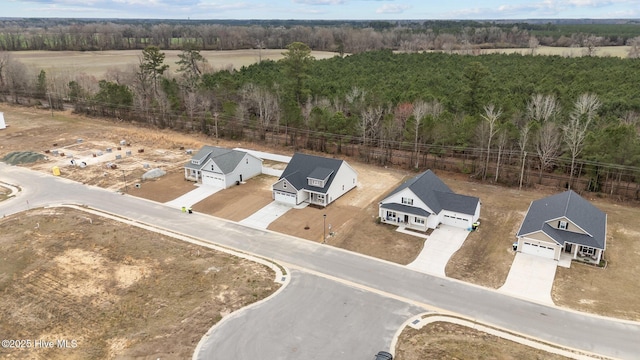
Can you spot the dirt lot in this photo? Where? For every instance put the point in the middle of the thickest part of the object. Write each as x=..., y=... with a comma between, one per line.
x=484, y=259
x=117, y=290
x=239, y=202
x=441, y=340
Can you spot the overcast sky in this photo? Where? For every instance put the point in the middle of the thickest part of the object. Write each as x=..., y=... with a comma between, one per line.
x=322, y=9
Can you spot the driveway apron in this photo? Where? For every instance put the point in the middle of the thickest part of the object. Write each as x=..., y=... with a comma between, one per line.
x=438, y=249
x=531, y=277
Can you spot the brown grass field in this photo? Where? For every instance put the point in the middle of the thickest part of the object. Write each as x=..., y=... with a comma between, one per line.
x=96, y=63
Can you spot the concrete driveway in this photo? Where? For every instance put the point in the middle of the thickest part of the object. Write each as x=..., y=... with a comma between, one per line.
x=438, y=249
x=531, y=277
x=194, y=196
x=268, y=214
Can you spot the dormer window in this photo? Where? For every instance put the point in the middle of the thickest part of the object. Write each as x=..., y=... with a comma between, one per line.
x=319, y=177
x=407, y=201
x=562, y=225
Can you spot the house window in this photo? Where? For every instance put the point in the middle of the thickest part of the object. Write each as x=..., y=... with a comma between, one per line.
x=247, y=161
x=213, y=167
x=407, y=201
x=284, y=185
x=342, y=187
x=391, y=215
x=418, y=220
x=588, y=251
x=562, y=225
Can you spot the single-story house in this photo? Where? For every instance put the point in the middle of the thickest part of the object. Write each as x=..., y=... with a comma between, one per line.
x=222, y=167
x=314, y=179
x=564, y=222
x=424, y=202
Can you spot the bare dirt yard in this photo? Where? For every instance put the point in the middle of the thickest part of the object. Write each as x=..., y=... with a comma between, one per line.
x=239, y=202
x=116, y=290
x=442, y=340
x=484, y=259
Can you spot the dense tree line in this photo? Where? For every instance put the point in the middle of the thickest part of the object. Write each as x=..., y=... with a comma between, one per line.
x=338, y=36
x=513, y=119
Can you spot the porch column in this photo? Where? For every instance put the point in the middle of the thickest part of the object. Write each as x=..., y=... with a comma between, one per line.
x=186, y=173
x=599, y=255
x=575, y=251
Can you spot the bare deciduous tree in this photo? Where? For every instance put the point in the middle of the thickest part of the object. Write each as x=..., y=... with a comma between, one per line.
x=491, y=116
x=16, y=79
x=419, y=111
x=267, y=105
x=533, y=44
x=543, y=110
x=634, y=47
x=575, y=131
x=548, y=142
x=369, y=125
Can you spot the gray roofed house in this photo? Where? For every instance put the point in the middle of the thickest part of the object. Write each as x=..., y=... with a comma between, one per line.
x=222, y=167
x=424, y=201
x=314, y=179
x=564, y=223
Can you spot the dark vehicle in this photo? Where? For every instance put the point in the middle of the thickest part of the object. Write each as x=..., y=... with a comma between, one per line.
x=383, y=355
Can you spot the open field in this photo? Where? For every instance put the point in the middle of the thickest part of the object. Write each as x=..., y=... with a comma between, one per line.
x=96, y=63
x=484, y=259
x=117, y=290
x=605, y=51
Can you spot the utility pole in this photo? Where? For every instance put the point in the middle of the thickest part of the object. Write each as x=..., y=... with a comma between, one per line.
x=324, y=222
x=124, y=178
x=50, y=103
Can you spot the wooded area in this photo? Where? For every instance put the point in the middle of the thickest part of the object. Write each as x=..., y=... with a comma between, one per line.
x=338, y=36
x=519, y=120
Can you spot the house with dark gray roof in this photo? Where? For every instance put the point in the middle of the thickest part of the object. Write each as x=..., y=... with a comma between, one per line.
x=424, y=202
x=314, y=179
x=564, y=223
x=222, y=167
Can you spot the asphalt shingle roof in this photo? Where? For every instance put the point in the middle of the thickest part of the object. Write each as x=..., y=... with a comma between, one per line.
x=437, y=195
x=576, y=209
x=405, y=209
x=303, y=166
x=226, y=159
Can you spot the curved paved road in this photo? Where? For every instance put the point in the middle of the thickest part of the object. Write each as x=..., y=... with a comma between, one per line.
x=599, y=335
x=312, y=318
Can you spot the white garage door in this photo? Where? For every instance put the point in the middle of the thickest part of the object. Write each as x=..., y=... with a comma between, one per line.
x=210, y=179
x=457, y=221
x=539, y=250
x=285, y=197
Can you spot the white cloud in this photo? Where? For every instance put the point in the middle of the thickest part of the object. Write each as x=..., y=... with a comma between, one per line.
x=392, y=9
x=320, y=2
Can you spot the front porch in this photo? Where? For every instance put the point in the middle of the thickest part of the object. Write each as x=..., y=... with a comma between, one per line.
x=192, y=175
x=317, y=199
x=404, y=220
x=583, y=253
